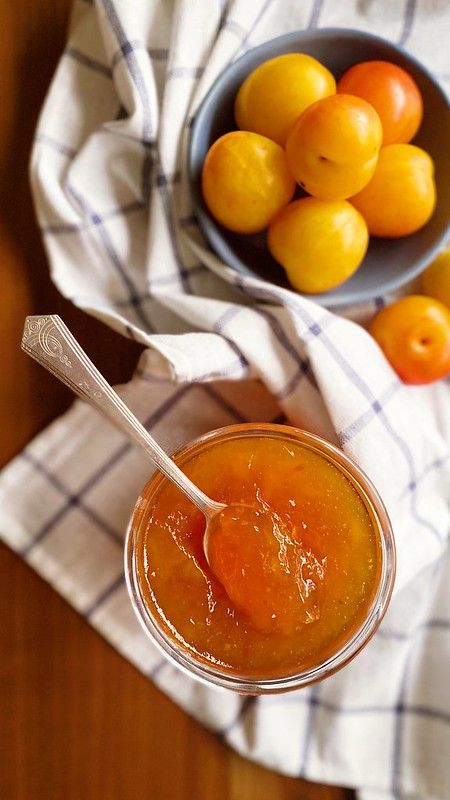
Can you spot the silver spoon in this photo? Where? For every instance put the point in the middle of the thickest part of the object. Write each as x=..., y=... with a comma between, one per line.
x=48, y=340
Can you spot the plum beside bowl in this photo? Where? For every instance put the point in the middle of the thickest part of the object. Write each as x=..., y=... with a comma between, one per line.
x=389, y=263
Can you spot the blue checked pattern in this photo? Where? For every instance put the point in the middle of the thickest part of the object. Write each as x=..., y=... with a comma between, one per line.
x=114, y=210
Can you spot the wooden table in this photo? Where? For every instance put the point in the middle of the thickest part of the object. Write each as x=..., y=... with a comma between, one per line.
x=76, y=720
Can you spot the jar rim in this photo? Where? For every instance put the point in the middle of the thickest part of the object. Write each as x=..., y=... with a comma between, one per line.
x=211, y=675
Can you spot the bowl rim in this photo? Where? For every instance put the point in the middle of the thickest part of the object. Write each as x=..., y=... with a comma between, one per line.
x=212, y=230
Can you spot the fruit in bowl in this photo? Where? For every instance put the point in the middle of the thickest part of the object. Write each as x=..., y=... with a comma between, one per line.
x=333, y=151
x=388, y=261
x=401, y=196
x=274, y=95
x=319, y=244
x=333, y=147
x=392, y=92
x=246, y=181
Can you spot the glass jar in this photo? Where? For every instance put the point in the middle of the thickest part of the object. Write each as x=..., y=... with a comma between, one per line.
x=220, y=677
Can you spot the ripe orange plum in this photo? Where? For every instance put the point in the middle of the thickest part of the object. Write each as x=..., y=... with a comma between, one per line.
x=401, y=196
x=275, y=94
x=392, y=92
x=333, y=147
x=319, y=243
x=246, y=181
x=436, y=278
x=414, y=334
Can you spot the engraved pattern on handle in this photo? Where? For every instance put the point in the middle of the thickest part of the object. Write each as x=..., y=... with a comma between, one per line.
x=48, y=340
x=41, y=331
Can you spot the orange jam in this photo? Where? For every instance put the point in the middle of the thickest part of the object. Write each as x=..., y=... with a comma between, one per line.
x=294, y=565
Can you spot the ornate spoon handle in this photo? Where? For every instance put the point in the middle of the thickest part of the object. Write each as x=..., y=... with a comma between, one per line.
x=48, y=340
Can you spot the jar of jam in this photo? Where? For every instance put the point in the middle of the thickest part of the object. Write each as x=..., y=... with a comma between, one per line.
x=284, y=612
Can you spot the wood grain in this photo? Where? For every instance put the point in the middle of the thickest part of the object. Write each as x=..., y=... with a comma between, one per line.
x=76, y=720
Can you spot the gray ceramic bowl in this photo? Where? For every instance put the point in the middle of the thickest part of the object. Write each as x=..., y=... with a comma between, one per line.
x=388, y=263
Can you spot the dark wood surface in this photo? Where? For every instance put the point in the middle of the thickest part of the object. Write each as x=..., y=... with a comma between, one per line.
x=77, y=722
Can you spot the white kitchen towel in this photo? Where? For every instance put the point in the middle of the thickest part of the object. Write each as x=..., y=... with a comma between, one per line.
x=109, y=183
